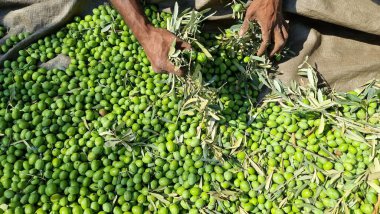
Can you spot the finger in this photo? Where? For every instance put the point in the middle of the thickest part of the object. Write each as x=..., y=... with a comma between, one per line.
x=278, y=41
x=244, y=28
x=247, y=19
x=170, y=68
x=158, y=70
x=266, y=35
x=284, y=30
x=183, y=45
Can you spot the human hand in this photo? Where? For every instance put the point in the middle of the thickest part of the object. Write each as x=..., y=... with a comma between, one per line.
x=157, y=45
x=156, y=42
x=268, y=14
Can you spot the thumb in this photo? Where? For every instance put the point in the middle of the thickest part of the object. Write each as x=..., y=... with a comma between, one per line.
x=170, y=68
x=244, y=28
x=183, y=45
x=157, y=69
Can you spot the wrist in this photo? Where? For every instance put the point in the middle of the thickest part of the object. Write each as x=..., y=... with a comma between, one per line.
x=134, y=17
x=143, y=33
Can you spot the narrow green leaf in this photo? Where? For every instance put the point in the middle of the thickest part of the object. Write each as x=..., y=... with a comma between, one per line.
x=311, y=207
x=241, y=68
x=311, y=79
x=106, y=28
x=374, y=186
x=204, y=50
x=354, y=98
x=320, y=95
x=172, y=49
x=269, y=180
x=277, y=86
x=242, y=211
x=160, y=198
x=214, y=116
x=371, y=93
x=355, y=136
x=256, y=167
x=175, y=11
x=321, y=125
x=374, y=176
x=258, y=58
x=188, y=112
x=166, y=120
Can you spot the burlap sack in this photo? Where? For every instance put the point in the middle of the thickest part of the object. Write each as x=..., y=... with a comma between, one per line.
x=38, y=17
x=341, y=38
x=346, y=56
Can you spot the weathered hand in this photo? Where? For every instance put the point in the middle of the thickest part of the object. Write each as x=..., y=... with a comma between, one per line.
x=268, y=14
x=157, y=45
x=156, y=42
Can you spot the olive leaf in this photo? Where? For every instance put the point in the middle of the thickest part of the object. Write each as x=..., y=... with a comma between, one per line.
x=321, y=125
x=242, y=211
x=311, y=207
x=106, y=28
x=269, y=179
x=160, y=198
x=172, y=49
x=204, y=50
